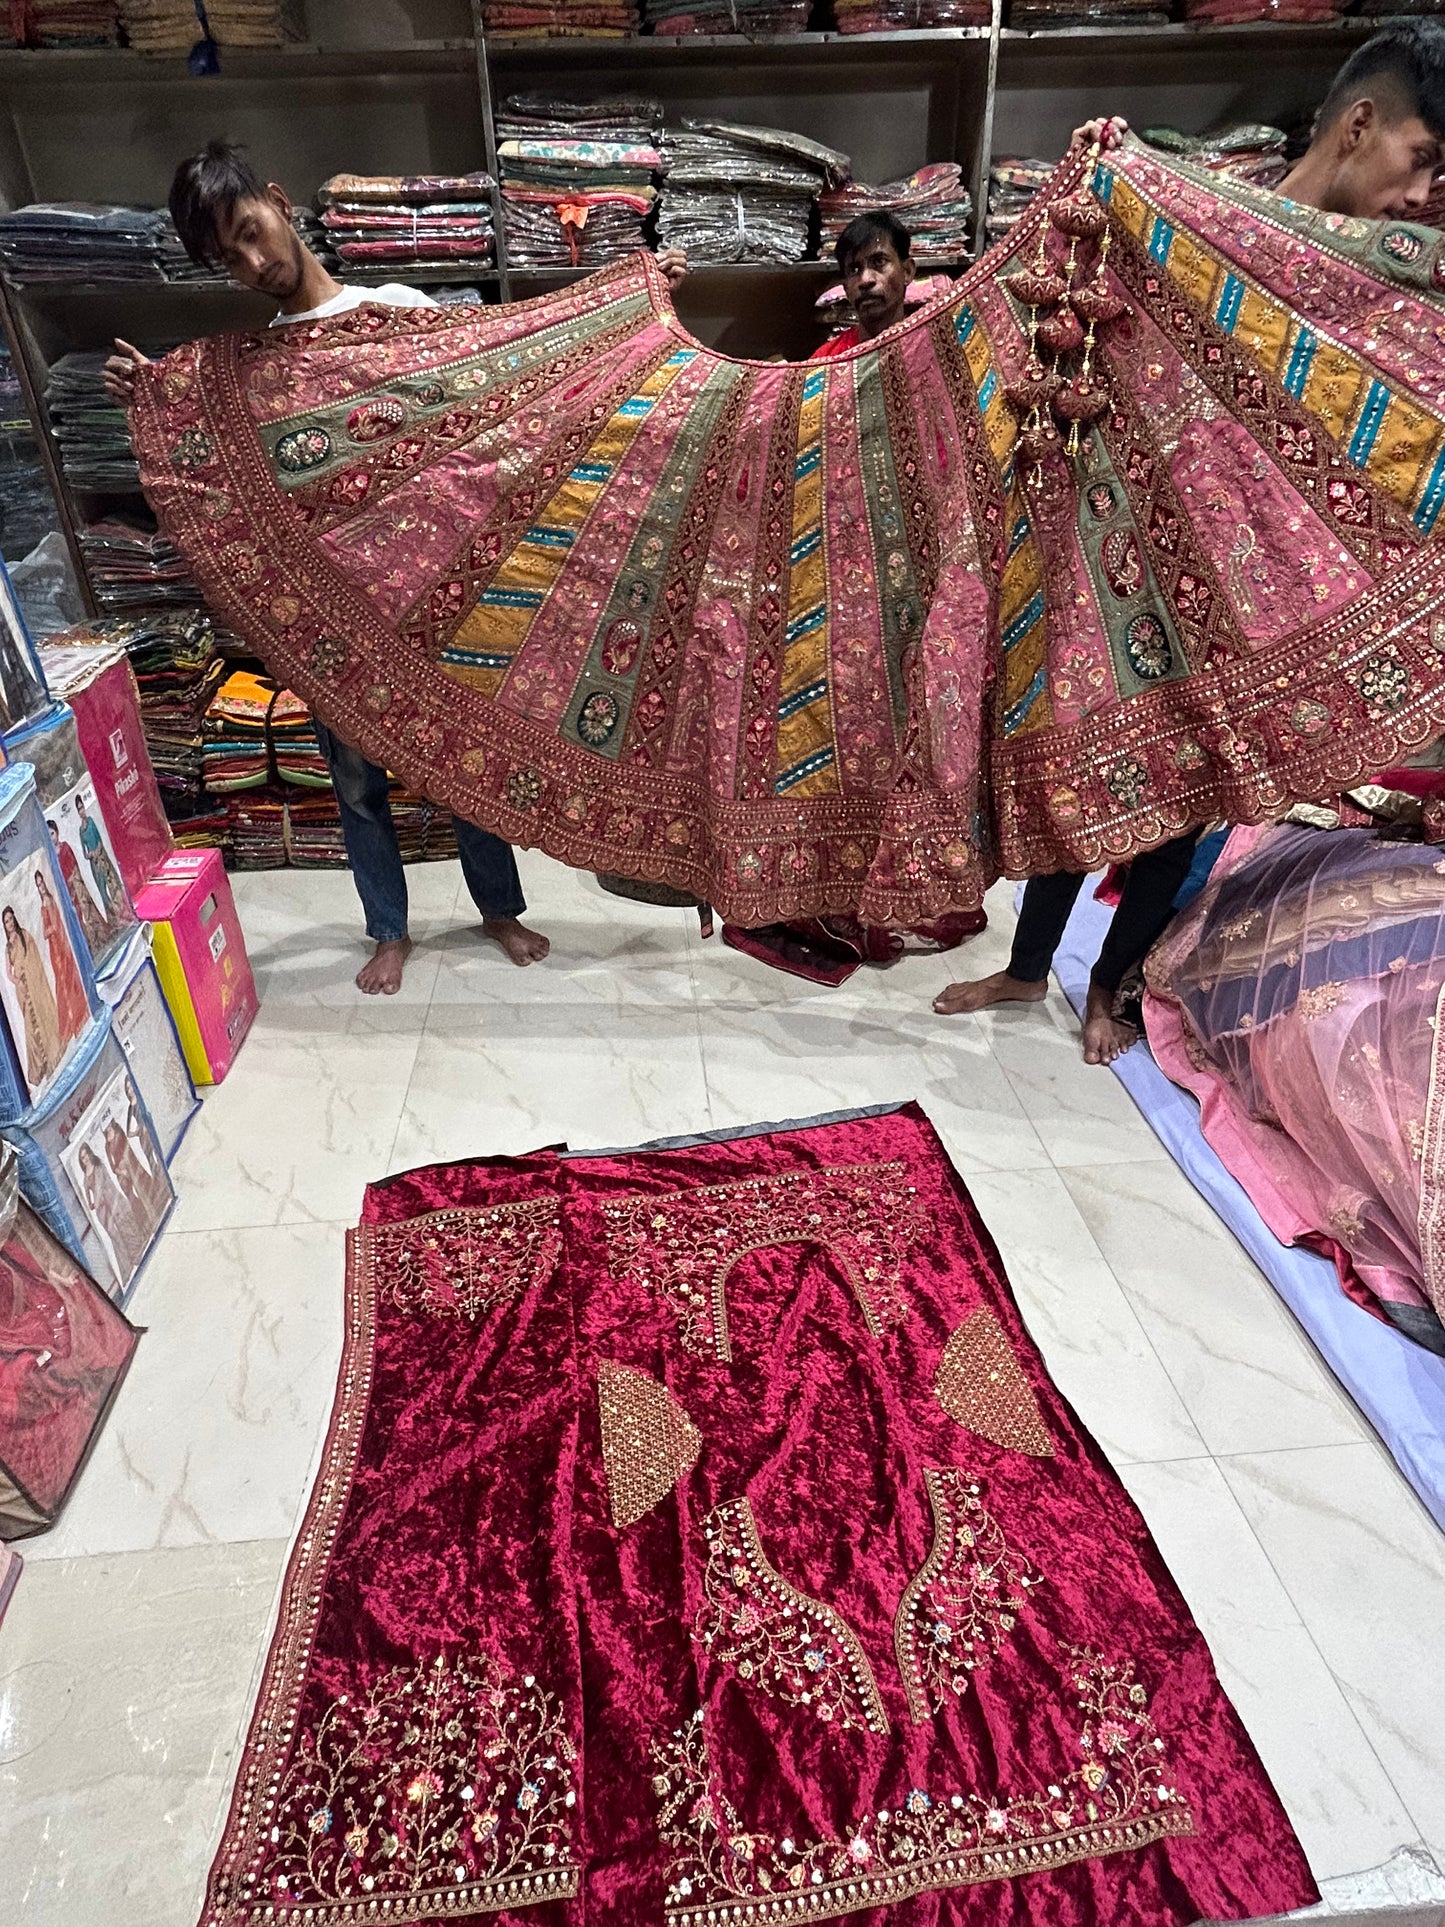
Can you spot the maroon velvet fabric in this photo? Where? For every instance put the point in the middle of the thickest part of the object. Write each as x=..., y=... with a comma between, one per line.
x=743, y=1458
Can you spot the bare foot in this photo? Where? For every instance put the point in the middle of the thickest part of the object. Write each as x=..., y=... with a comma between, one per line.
x=382, y=976
x=1000, y=988
x=522, y=945
x=1105, y=1037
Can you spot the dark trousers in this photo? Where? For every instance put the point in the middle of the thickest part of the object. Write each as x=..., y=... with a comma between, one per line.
x=488, y=865
x=1144, y=909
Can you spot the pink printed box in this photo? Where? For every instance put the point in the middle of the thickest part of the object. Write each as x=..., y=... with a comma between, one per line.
x=200, y=957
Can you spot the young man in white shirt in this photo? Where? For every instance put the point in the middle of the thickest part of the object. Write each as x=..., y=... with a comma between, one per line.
x=228, y=217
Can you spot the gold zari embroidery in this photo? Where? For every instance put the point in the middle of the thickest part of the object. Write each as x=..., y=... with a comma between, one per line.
x=683, y=1244
x=463, y=1264
x=981, y=1386
x=789, y=1646
x=648, y=1440
x=1116, y=1800
x=963, y=1602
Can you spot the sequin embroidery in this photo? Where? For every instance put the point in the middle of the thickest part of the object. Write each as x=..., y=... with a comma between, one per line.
x=648, y=1440
x=982, y=1386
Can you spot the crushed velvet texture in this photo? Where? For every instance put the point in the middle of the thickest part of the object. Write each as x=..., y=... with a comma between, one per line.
x=856, y=1659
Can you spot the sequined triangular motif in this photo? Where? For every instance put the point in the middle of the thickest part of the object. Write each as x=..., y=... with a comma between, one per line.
x=982, y=1386
x=648, y=1440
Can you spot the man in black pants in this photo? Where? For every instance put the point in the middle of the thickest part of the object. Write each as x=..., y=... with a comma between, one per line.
x=1377, y=142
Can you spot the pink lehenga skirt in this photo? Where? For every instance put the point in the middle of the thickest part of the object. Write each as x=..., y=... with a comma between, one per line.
x=1299, y=998
x=699, y=1541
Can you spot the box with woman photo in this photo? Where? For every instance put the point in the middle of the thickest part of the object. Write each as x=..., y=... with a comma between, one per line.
x=47, y=990
x=77, y=830
x=91, y=1165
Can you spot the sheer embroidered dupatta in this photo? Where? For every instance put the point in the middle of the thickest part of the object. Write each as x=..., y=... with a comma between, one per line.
x=854, y=637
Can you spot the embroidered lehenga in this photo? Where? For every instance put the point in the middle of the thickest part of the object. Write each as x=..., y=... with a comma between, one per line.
x=700, y=1541
x=853, y=638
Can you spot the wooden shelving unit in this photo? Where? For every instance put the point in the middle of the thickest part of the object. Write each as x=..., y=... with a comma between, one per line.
x=414, y=85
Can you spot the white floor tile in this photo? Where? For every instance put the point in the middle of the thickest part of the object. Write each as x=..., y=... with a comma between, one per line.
x=1347, y=1814
x=1248, y=1375
x=213, y=1434
x=124, y=1684
x=1365, y=1567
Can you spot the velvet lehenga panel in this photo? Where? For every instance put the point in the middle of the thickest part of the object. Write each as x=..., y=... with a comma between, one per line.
x=700, y=1540
x=1133, y=529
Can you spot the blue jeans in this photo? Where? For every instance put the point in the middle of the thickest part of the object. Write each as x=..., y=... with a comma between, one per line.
x=488, y=864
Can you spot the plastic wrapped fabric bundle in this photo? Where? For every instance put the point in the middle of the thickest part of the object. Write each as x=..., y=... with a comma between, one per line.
x=932, y=203
x=1237, y=13
x=82, y=241
x=131, y=567
x=64, y=23
x=90, y=430
x=575, y=201
x=677, y=19
x=423, y=220
x=1013, y=181
x=172, y=27
x=1252, y=152
x=739, y=193
x=64, y=1351
x=892, y=16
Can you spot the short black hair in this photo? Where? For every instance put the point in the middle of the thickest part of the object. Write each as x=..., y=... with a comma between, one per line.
x=878, y=224
x=205, y=189
x=1409, y=56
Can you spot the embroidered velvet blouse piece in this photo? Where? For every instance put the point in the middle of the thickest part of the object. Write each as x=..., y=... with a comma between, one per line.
x=856, y=636
x=593, y=1620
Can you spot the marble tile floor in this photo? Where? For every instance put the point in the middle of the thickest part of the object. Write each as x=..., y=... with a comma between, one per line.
x=129, y=1657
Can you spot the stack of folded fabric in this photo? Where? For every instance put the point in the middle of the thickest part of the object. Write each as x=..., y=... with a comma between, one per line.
x=258, y=830
x=761, y=18
x=423, y=220
x=1013, y=181
x=739, y=193
x=313, y=833
x=890, y=16
x=66, y=23
x=90, y=430
x=236, y=753
x=172, y=26
x=933, y=204
x=294, y=748
x=83, y=241
x=561, y=19
x=1250, y=153
x=577, y=178
x=27, y=510
x=1236, y=13
x=131, y=567
x=207, y=827
x=1087, y=13
x=176, y=658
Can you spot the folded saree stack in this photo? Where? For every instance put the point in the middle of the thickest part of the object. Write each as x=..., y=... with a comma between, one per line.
x=700, y=1542
x=27, y=507
x=1250, y=153
x=561, y=19
x=1239, y=13
x=63, y=23
x=1013, y=181
x=90, y=429
x=577, y=179
x=893, y=16
x=79, y=241
x=427, y=220
x=932, y=203
x=132, y=567
x=770, y=18
x=741, y=193
x=1045, y=14
x=237, y=755
x=178, y=668
x=172, y=26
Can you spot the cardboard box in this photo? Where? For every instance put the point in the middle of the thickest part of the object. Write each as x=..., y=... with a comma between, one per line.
x=95, y=677
x=201, y=959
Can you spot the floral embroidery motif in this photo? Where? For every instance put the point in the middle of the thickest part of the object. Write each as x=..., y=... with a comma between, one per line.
x=683, y=1244
x=302, y=449
x=648, y=1440
x=598, y=719
x=329, y=655
x=524, y=786
x=963, y=1602
x=463, y=1264
x=442, y=1788
x=790, y=1647
x=1320, y=1000
x=1385, y=682
x=193, y=450
x=1115, y=1801
x=982, y=1387
x=1147, y=644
